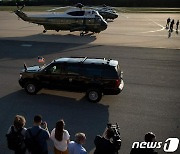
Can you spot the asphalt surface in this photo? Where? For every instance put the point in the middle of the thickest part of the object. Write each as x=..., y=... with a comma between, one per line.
x=150, y=61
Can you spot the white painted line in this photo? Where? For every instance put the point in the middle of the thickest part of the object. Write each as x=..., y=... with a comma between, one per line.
x=26, y=45
x=153, y=31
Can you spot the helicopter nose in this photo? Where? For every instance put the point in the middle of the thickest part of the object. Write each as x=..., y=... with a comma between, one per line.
x=104, y=25
x=116, y=15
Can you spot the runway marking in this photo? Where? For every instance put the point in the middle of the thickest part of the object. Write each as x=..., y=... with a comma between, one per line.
x=157, y=23
x=26, y=45
x=153, y=31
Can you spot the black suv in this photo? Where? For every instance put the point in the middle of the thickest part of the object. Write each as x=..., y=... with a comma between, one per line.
x=95, y=76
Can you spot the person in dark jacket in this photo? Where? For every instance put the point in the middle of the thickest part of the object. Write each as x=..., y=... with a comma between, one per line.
x=171, y=25
x=177, y=25
x=18, y=126
x=104, y=144
x=40, y=133
x=149, y=137
x=168, y=21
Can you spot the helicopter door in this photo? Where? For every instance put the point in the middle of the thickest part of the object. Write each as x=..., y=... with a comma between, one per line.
x=97, y=21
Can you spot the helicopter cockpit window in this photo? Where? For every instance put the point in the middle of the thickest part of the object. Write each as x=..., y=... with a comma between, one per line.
x=76, y=13
x=93, y=12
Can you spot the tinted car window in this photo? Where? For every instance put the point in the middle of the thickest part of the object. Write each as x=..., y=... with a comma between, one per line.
x=56, y=69
x=92, y=71
x=109, y=73
x=73, y=69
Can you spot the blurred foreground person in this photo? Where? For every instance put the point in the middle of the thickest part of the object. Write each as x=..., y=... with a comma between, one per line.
x=60, y=138
x=37, y=136
x=75, y=147
x=16, y=135
x=149, y=137
x=104, y=144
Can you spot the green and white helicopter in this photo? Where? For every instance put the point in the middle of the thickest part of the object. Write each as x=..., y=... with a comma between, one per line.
x=106, y=12
x=74, y=19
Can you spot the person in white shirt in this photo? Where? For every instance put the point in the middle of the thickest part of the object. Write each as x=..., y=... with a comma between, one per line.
x=60, y=137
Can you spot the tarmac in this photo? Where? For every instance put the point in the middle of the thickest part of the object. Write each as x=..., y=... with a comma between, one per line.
x=129, y=29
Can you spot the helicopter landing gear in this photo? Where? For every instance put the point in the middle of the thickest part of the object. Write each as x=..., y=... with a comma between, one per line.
x=83, y=33
x=44, y=31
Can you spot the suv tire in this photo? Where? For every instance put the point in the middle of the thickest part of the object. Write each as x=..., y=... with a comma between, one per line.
x=94, y=95
x=31, y=88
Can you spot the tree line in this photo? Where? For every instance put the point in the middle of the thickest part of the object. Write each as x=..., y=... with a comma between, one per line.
x=118, y=3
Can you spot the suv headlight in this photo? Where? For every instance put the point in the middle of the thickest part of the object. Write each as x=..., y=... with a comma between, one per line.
x=121, y=75
x=20, y=76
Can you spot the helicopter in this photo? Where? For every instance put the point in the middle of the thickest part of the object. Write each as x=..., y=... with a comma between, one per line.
x=71, y=20
x=107, y=12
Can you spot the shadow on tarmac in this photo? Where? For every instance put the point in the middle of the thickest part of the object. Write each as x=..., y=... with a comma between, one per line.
x=40, y=44
x=78, y=114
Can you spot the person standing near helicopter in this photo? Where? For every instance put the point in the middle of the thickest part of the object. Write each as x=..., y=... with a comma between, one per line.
x=177, y=25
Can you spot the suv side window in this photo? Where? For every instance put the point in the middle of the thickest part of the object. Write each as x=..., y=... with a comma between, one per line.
x=73, y=70
x=92, y=71
x=56, y=69
x=109, y=73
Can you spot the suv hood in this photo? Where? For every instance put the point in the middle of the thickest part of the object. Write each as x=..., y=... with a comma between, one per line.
x=32, y=69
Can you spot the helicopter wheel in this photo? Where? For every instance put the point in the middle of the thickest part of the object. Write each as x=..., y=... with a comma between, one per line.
x=44, y=31
x=81, y=34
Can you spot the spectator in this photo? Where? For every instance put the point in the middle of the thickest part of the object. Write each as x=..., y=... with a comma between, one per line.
x=60, y=137
x=76, y=147
x=37, y=136
x=168, y=21
x=16, y=135
x=177, y=25
x=103, y=144
x=171, y=25
x=149, y=137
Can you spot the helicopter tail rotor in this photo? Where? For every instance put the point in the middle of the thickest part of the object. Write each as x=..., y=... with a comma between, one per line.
x=18, y=8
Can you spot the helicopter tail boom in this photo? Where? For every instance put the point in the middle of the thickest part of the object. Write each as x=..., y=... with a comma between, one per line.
x=20, y=13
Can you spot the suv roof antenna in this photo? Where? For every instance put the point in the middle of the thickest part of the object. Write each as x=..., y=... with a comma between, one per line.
x=84, y=59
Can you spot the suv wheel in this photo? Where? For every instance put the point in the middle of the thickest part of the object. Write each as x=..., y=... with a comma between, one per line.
x=94, y=95
x=31, y=88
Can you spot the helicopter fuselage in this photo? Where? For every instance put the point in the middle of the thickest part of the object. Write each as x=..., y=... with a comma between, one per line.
x=73, y=20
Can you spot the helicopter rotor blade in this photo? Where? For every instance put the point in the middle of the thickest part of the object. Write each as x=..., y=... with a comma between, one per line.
x=22, y=7
x=58, y=8
x=79, y=5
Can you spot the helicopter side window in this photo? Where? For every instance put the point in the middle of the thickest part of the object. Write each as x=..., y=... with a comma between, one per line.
x=93, y=12
x=76, y=13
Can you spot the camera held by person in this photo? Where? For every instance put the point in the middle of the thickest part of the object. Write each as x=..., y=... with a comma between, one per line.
x=116, y=138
